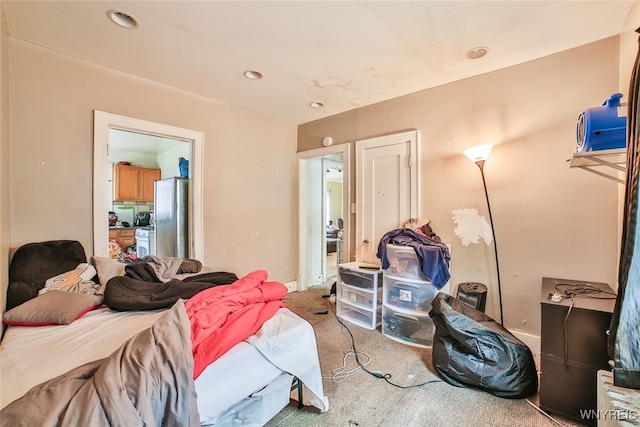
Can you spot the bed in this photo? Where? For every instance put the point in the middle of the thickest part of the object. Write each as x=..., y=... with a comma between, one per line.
x=248, y=384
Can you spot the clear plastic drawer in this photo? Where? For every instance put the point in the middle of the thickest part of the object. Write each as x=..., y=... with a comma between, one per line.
x=358, y=297
x=404, y=262
x=359, y=278
x=411, y=329
x=414, y=295
x=368, y=319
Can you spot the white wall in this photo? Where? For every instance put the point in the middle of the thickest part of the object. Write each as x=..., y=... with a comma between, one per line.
x=136, y=159
x=168, y=161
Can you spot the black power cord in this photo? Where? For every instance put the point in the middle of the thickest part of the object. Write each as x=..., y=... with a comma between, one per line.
x=571, y=290
x=386, y=377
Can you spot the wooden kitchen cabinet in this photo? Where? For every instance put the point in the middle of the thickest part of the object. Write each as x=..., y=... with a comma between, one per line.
x=125, y=237
x=133, y=183
x=125, y=182
x=147, y=178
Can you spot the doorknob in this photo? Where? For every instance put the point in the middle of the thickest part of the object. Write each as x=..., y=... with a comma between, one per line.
x=365, y=241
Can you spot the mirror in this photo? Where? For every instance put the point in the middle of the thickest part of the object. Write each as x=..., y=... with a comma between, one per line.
x=107, y=129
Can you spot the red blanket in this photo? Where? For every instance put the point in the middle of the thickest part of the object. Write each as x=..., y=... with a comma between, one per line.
x=224, y=315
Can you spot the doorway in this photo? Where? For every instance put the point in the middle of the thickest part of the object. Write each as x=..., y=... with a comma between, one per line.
x=333, y=213
x=319, y=187
x=102, y=125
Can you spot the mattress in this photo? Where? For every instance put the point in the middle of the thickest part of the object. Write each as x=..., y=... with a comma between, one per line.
x=31, y=355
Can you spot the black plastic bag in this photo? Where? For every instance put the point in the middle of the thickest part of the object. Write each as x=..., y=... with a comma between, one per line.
x=470, y=349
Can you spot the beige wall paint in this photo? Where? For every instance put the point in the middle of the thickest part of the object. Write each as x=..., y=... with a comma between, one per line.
x=250, y=186
x=5, y=218
x=335, y=196
x=549, y=220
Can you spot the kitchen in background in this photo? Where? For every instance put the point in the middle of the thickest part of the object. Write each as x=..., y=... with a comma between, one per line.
x=137, y=162
x=171, y=217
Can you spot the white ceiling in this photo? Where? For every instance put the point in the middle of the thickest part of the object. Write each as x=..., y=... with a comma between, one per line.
x=345, y=54
x=122, y=140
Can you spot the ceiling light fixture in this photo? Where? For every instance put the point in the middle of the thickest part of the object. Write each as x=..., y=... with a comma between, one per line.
x=123, y=19
x=252, y=75
x=316, y=104
x=476, y=52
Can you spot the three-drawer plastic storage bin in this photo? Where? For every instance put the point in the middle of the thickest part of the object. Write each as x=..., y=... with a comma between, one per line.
x=407, y=297
x=359, y=295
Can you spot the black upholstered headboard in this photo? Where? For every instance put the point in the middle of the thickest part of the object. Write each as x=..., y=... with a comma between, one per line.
x=34, y=263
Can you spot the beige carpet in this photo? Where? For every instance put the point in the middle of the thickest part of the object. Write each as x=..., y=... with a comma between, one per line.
x=360, y=399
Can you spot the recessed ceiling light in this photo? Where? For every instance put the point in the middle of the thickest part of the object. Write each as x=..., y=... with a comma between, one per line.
x=477, y=52
x=316, y=104
x=252, y=75
x=123, y=19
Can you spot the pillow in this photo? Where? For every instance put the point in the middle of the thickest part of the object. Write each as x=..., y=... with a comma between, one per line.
x=52, y=308
x=75, y=280
x=107, y=268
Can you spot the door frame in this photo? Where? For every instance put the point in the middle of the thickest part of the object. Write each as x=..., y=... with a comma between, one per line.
x=102, y=123
x=411, y=136
x=303, y=240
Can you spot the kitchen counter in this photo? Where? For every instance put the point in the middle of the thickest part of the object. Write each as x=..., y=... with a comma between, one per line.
x=128, y=236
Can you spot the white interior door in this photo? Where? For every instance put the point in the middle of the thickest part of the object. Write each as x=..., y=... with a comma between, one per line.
x=386, y=188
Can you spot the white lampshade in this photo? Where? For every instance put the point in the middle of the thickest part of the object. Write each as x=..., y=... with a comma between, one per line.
x=479, y=152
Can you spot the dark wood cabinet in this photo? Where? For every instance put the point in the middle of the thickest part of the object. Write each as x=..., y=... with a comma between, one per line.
x=573, y=346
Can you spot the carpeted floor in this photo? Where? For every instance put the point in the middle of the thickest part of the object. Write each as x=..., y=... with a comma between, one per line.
x=357, y=398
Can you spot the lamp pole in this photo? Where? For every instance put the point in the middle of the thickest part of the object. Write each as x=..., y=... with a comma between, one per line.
x=480, y=164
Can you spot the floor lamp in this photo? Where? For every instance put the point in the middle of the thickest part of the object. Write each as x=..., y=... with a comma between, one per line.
x=478, y=155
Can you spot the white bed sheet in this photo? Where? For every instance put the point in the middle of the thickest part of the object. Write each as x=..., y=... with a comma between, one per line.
x=236, y=374
x=31, y=355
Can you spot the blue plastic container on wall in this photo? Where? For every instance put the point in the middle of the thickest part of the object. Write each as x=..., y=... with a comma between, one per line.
x=604, y=127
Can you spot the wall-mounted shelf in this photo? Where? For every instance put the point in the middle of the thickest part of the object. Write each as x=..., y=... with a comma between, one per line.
x=597, y=161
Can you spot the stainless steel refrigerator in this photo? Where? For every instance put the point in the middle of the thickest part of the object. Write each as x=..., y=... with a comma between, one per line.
x=171, y=214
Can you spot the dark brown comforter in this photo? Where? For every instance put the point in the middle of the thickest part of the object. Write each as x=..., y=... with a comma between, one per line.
x=148, y=381
x=141, y=288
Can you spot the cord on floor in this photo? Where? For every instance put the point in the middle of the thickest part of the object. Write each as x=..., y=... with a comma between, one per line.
x=341, y=373
x=362, y=365
x=543, y=412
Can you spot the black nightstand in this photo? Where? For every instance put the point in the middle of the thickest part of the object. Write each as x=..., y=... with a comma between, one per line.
x=569, y=362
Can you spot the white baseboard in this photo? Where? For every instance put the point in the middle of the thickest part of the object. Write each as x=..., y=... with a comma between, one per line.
x=532, y=341
x=292, y=286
